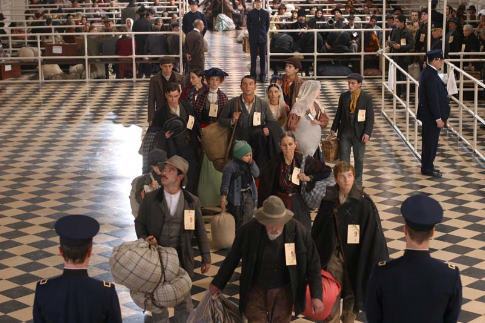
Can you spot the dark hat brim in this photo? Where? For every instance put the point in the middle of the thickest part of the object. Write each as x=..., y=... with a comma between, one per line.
x=214, y=71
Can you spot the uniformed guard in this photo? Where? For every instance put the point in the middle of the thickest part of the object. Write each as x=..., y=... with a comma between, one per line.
x=433, y=111
x=258, y=26
x=415, y=287
x=74, y=296
x=191, y=16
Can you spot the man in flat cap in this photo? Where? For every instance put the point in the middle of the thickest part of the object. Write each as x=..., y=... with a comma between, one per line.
x=279, y=258
x=170, y=216
x=258, y=26
x=74, y=296
x=415, y=287
x=353, y=123
x=158, y=82
x=433, y=111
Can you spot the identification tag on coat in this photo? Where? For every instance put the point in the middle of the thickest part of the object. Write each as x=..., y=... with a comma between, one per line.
x=57, y=49
x=403, y=41
x=294, y=176
x=256, y=118
x=213, y=108
x=290, y=254
x=361, y=116
x=353, y=234
x=450, y=40
x=190, y=122
x=8, y=68
x=463, y=47
x=189, y=219
x=421, y=38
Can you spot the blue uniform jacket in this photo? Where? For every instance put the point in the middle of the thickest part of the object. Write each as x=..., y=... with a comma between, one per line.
x=414, y=288
x=76, y=297
x=258, y=25
x=433, y=97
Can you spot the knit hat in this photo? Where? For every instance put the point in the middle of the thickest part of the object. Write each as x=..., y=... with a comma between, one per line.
x=241, y=148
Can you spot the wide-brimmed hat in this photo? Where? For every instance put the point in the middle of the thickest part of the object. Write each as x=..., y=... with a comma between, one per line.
x=273, y=212
x=214, y=71
x=181, y=164
x=295, y=61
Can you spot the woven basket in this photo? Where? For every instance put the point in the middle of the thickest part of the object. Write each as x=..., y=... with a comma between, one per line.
x=330, y=148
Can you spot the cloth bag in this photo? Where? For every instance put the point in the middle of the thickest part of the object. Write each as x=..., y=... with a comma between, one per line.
x=331, y=290
x=215, y=310
x=136, y=265
x=224, y=23
x=223, y=230
x=330, y=148
x=215, y=142
x=314, y=197
x=167, y=294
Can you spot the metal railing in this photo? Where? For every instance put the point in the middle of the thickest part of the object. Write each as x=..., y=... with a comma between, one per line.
x=409, y=129
x=84, y=58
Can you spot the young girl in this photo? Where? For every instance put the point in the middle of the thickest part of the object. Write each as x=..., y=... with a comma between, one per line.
x=238, y=188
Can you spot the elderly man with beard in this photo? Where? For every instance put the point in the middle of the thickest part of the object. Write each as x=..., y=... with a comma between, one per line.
x=278, y=259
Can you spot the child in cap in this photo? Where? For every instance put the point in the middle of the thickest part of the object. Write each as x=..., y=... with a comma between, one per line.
x=238, y=188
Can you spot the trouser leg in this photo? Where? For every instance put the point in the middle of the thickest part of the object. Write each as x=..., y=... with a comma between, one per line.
x=345, y=145
x=255, y=310
x=279, y=305
x=253, y=52
x=358, y=148
x=161, y=317
x=262, y=58
x=247, y=207
x=429, y=144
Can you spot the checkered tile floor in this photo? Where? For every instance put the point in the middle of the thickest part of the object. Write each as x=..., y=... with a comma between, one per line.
x=72, y=148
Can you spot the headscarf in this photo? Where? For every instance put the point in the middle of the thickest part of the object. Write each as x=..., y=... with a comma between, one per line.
x=308, y=99
x=281, y=102
x=128, y=29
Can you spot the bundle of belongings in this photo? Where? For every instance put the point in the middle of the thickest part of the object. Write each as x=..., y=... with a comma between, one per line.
x=215, y=310
x=152, y=274
x=224, y=23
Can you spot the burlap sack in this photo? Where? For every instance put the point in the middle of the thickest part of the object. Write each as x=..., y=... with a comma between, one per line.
x=168, y=294
x=215, y=140
x=223, y=231
x=137, y=266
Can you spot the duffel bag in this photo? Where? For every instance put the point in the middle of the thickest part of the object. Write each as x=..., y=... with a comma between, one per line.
x=137, y=266
x=223, y=231
x=168, y=294
x=215, y=142
x=331, y=290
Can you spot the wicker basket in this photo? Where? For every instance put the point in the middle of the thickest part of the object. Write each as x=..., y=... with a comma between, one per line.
x=330, y=148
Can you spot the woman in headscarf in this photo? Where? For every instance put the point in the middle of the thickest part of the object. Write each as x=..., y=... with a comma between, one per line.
x=311, y=118
x=129, y=24
x=276, y=102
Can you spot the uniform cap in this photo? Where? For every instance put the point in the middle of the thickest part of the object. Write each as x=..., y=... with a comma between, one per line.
x=191, y=2
x=76, y=230
x=421, y=212
x=433, y=54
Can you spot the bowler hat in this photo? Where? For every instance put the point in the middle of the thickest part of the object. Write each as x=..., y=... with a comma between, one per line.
x=295, y=61
x=273, y=211
x=181, y=164
x=176, y=125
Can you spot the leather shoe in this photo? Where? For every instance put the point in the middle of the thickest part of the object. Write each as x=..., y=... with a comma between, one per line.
x=434, y=173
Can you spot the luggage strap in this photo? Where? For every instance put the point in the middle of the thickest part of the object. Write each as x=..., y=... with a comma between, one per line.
x=150, y=296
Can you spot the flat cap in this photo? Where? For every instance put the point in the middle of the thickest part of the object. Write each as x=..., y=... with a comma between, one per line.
x=355, y=76
x=157, y=156
x=214, y=71
x=76, y=230
x=433, y=54
x=166, y=60
x=295, y=61
x=421, y=212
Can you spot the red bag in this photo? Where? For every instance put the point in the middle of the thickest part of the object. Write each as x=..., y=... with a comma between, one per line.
x=331, y=290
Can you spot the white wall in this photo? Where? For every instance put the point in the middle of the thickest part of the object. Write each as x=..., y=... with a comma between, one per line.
x=14, y=8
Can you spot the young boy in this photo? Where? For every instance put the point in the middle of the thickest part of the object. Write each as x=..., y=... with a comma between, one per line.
x=238, y=189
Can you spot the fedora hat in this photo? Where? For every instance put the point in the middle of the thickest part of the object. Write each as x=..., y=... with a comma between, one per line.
x=273, y=211
x=181, y=164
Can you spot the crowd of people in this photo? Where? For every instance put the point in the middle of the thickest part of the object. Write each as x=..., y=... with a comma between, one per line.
x=264, y=164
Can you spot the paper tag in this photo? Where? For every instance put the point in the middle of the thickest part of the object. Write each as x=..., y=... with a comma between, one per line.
x=213, y=108
x=354, y=34
x=189, y=219
x=421, y=38
x=290, y=254
x=403, y=41
x=294, y=176
x=8, y=68
x=463, y=47
x=57, y=49
x=190, y=122
x=450, y=40
x=353, y=234
x=361, y=116
x=256, y=118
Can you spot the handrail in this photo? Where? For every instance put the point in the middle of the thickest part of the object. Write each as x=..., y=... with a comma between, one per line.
x=43, y=59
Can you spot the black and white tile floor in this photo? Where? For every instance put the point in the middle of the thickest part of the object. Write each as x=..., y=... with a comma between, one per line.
x=72, y=148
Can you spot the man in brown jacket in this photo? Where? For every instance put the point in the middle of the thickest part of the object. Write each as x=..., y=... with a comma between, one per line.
x=194, y=46
x=158, y=82
x=291, y=81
